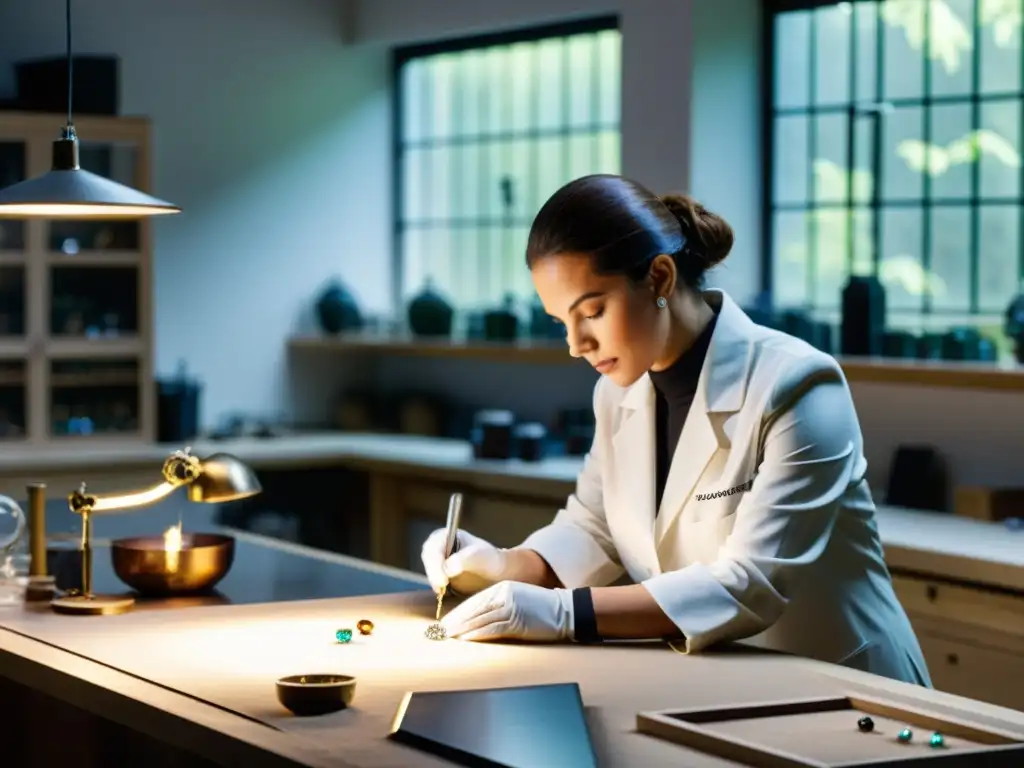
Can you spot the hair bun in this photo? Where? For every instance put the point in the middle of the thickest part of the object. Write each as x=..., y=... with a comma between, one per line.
x=713, y=234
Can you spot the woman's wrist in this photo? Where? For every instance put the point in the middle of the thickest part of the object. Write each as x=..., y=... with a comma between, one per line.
x=528, y=567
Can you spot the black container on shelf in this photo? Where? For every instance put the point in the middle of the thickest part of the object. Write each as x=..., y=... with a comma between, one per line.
x=177, y=408
x=42, y=84
x=900, y=344
x=493, y=434
x=962, y=344
x=530, y=440
x=429, y=314
x=1013, y=326
x=337, y=310
x=863, y=323
x=502, y=323
x=930, y=347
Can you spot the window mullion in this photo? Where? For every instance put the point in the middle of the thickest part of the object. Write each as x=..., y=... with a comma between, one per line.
x=812, y=151
x=975, y=212
x=926, y=211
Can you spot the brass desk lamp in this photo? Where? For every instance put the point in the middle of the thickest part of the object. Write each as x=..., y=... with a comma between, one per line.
x=220, y=477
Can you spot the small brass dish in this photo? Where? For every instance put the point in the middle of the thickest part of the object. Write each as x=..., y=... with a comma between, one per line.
x=145, y=565
x=311, y=695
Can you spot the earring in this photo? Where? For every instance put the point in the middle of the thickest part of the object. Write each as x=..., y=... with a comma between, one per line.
x=662, y=302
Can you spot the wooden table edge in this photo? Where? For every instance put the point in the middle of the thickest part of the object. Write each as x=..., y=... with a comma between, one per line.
x=158, y=712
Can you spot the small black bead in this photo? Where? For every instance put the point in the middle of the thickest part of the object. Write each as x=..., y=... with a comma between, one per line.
x=866, y=724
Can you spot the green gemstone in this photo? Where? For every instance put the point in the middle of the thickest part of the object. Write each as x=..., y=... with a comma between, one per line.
x=905, y=735
x=937, y=740
x=344, y=635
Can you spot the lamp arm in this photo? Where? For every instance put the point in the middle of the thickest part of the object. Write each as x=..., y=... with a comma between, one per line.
x=80, y=501
x=180, y=468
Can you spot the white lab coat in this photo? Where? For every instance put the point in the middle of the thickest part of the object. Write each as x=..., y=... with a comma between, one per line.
x=766, y=529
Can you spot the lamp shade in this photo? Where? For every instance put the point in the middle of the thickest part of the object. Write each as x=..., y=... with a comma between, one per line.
x=223, y=477
x=70, y=192
x=78, y=194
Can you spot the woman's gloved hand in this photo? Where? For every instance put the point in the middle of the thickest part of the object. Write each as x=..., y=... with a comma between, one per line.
x=476, y=564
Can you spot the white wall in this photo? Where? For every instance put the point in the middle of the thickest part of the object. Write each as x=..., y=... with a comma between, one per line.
x=273, y=137
x=273, y=133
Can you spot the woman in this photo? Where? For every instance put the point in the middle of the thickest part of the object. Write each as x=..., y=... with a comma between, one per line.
x=726, y=477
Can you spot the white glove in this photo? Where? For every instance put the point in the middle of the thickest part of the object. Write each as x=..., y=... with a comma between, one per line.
x=476, y=564
x=512, y=610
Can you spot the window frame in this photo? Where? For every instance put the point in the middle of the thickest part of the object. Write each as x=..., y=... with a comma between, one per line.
x=973, y=201
x=401, y=55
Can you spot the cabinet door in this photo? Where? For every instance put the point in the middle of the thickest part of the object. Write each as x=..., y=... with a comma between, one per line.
x=13, y=168
x=13, y=316
x=975, y=671
x=94, y=397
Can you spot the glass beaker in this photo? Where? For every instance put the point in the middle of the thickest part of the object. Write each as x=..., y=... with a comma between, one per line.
x=13, y=574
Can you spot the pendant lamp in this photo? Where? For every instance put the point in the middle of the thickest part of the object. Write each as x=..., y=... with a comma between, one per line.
x=68, y=191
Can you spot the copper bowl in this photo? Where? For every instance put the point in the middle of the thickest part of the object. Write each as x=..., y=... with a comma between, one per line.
x=143, y=563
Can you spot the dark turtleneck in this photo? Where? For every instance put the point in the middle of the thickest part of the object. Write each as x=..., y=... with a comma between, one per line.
x=675, y=388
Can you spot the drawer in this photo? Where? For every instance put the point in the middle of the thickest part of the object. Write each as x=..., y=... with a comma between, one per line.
x=961, y=604
x=974, y=671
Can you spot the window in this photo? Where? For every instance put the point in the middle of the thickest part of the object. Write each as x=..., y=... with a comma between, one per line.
x=896, y=151
x=487, y=129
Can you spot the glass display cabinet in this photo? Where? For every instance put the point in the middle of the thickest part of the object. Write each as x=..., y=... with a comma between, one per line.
x=75, y=322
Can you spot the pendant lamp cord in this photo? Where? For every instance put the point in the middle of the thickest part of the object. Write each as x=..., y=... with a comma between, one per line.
x=71, y=66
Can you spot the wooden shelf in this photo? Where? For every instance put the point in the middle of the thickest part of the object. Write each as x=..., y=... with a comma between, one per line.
x=921, y=373
x=946, y=374
x=523, y=351
x=64, y=347
x=93, y=379
x=95, y=259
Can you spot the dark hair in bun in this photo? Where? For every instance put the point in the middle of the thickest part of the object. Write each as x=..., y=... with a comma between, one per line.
x=623, y=226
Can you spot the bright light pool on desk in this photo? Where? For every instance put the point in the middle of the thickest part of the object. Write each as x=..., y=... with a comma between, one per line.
x=396, y=651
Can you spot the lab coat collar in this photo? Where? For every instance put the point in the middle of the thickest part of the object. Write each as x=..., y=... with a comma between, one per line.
x=723, y=378
x=720, y=389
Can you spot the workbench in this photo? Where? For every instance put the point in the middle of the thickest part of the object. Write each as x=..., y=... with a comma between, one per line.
x=192, y=683
x=961, y=580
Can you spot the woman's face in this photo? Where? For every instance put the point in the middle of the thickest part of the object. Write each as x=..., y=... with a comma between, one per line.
x=611, y=322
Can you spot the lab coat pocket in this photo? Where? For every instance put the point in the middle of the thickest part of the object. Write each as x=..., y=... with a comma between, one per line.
x=697, y=541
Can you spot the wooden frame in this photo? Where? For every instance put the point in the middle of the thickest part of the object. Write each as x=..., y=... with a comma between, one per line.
x=687, y=727
x=38, y=348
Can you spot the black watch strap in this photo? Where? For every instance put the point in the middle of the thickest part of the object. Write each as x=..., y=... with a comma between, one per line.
x=584, y=616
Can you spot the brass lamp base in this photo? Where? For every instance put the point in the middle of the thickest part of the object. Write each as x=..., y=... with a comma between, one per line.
x=94, y=605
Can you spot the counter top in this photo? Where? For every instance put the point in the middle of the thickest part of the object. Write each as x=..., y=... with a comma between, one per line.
x=215, y=668
x=204, y=675
x=939, y=544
